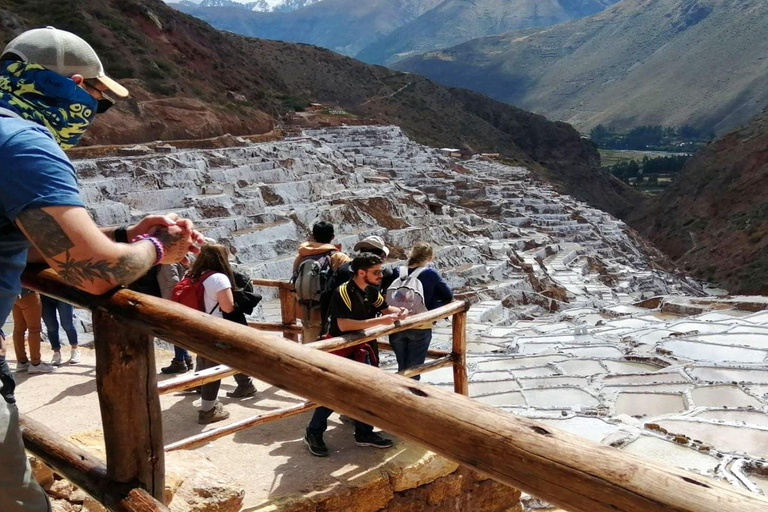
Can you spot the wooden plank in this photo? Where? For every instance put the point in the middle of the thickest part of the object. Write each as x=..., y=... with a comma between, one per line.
x=428, y=367
x=126, y=381
x=275, y=327
x=357, y=337
x=216, y=433
x=558, y=467
x=84, y=470
x=459, y=329
x=273, y=283
x=191, y=380
x=432, y=354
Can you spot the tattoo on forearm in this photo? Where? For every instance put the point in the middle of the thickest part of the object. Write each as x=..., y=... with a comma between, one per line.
x=44, y=231
x=124, y=271
x=171, y=243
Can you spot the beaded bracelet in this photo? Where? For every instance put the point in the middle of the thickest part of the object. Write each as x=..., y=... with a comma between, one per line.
x=159, y=249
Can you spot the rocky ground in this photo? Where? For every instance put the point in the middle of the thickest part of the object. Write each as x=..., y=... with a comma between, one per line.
x=575, y=319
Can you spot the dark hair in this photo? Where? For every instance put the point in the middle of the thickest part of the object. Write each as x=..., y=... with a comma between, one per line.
x=212, y=257
x=364, y=261
x=372, y=250
x=322, y=232
x=10, y=56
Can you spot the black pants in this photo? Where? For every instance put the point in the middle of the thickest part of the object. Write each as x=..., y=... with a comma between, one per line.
x=210, y=391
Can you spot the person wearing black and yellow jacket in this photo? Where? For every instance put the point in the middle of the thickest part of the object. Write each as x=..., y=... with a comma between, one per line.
x=355, y=306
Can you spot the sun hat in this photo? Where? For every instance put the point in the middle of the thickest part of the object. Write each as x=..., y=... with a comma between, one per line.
x=64, y=53
x=372, y=242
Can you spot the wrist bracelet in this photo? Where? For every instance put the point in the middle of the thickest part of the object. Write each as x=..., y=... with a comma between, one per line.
x=121, y=234
x=159, y=249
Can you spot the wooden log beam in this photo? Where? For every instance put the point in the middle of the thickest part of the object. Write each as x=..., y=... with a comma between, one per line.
x=211, y=435
x=190, y=380
x=459, y=329
x=357, y=337
x=561, y=468
x=126, y=381
x=84, y=470
x=275, y=327
x=273, y=283
x=428, y=367
x=216, y=433
x=432, y=354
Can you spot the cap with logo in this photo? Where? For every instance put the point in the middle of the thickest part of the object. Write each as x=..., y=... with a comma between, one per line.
x=64, y=53
x=372, y=242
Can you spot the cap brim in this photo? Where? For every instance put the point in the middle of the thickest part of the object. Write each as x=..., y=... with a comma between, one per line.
x=113, y=87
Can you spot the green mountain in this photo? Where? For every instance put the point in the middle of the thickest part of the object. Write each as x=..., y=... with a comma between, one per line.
x=639, y=62
x=456, y=21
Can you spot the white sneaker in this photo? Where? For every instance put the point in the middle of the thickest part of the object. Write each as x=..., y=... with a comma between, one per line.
x=41, y=368
x=74, y=357
x=22, y=367
x=56, y=360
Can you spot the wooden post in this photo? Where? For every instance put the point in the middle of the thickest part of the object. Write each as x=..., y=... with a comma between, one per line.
x=126, y=381
x=460, y=383
x=288, y=312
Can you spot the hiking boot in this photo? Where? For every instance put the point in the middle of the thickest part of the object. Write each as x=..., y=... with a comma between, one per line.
x=212, y=416
x=373, y=439
x=56, y=359
x=242, y=391
x=22, y=367
x=316, y=445
x=190, y=364
x=175, y=367
x=40, y=368
x=74, y=356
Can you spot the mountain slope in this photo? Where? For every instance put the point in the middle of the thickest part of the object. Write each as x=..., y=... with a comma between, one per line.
x=669, y=62
x=191, y=81
x=455, y=21
x=714, y=219
x=344, y=26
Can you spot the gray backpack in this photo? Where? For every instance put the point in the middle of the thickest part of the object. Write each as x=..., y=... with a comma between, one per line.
x=312, y=277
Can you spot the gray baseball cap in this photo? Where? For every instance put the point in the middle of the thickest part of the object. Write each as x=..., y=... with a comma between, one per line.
x=65, y=53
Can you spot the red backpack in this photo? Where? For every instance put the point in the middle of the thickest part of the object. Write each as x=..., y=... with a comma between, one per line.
x=191, y=292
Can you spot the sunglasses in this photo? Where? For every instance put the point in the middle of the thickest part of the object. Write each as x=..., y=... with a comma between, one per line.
x=377, y=272
x=105, y=102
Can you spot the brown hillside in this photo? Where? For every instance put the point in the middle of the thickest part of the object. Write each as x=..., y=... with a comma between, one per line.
x=714, y=218
x=190, y=80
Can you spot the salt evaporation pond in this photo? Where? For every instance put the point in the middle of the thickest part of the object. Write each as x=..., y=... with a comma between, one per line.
x=668, y=452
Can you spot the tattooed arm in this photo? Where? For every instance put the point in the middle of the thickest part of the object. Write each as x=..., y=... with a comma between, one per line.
x=85, y=257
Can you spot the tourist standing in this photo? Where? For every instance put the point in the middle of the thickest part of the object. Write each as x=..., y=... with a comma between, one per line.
x=313, y=268
x=27, y=312
x=355, y=306
x=167, y=277
x=212, y=271
x=53, y=86
x=420, y=288
x=66, y=313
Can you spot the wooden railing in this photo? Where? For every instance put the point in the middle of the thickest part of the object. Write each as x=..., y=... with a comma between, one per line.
x=561, y=468
x=287, y=325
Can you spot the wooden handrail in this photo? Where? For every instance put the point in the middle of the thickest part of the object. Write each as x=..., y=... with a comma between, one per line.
x=85, y=470
x=273, y=283
x=561, y=468
x=357, y=337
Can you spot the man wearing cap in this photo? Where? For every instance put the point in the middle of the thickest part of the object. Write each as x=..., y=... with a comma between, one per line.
x=52, y=85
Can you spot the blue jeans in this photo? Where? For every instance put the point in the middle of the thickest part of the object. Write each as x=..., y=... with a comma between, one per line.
x=66, y=312
x=319, y=422
x=411, y=348
x=180, y=354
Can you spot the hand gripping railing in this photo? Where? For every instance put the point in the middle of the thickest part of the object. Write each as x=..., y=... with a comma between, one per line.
x=561, y=468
